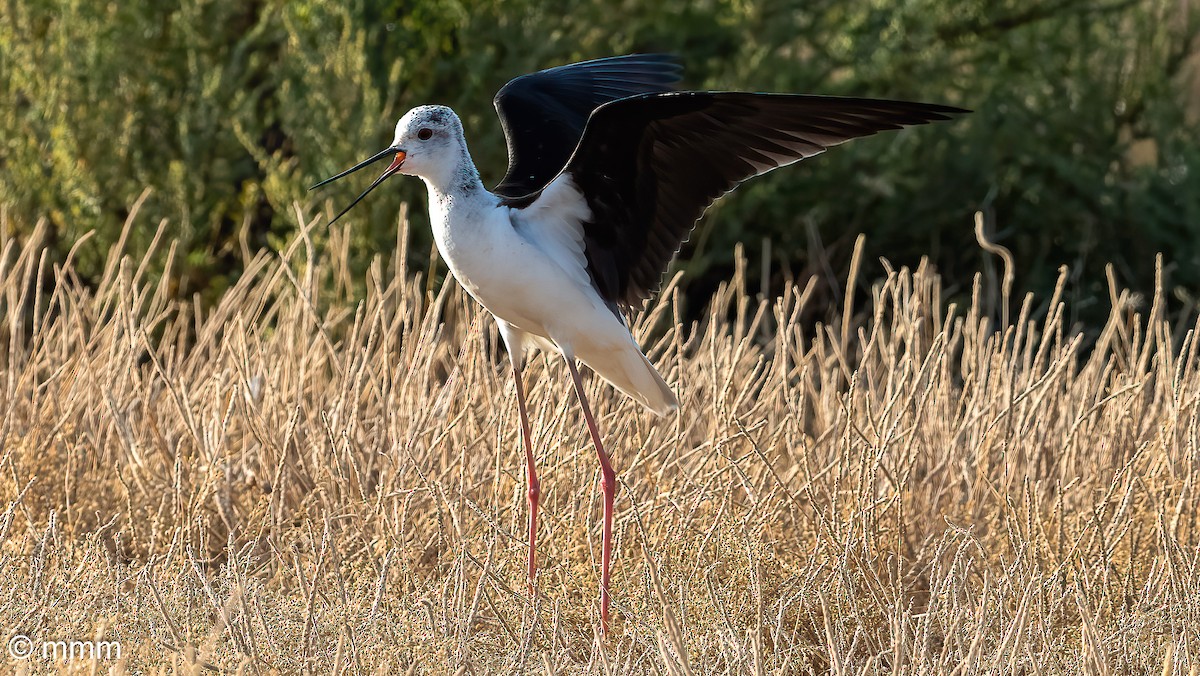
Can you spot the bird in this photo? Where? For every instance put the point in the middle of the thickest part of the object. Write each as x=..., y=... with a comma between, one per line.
x=610, y=166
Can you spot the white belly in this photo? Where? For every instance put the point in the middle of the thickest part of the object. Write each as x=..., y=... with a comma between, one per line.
x=532, y=274
x=521, y=283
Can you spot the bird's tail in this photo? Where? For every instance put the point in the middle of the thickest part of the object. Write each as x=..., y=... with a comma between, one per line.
x=634, y=375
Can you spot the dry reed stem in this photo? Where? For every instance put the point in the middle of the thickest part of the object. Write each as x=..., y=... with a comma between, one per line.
x=293, y=480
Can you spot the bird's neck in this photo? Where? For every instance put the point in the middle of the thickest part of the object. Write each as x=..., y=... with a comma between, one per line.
x=458, y=184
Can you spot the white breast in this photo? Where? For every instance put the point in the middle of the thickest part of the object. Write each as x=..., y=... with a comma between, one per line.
x=526, y=266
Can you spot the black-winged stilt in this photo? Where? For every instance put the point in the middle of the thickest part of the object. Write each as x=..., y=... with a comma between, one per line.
x=608, y=172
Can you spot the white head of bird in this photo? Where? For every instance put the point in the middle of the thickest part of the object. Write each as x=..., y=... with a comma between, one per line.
x=429, y=143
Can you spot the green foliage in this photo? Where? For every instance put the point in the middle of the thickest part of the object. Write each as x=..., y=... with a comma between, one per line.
x=1080, y=150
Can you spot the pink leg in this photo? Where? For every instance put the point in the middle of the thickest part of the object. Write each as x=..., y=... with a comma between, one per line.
x=535, y=488
x=608, y=483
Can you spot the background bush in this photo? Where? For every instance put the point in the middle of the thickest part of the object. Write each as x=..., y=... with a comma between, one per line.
x=1082, y=149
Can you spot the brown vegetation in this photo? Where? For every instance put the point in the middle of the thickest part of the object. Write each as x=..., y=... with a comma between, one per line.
x=291, y=481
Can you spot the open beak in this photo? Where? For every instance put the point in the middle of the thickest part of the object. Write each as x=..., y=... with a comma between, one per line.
x=397, y=162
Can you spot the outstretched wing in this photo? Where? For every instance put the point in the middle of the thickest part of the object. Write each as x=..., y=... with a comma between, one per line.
x=650, y=165
x=544, y=113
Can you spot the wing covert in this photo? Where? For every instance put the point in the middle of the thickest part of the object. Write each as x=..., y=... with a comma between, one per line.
x=544, y=113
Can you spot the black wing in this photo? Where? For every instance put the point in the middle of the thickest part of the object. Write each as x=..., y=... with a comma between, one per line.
x=544, y=113
x=650, y=165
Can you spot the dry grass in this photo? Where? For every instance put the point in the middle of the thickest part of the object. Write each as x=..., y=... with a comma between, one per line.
x=290, y=482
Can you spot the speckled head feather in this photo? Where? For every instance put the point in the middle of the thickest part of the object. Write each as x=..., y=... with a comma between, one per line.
x=434, y=147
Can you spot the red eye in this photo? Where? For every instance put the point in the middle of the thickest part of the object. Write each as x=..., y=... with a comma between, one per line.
x=425, y=134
